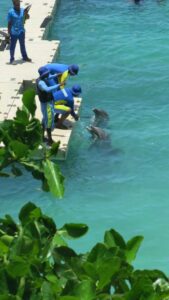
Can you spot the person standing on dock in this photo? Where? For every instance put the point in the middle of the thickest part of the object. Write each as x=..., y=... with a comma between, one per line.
x=62, y=71
x=16, y=31
x=44, y=91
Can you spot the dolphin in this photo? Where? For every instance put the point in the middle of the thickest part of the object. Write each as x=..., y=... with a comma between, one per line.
x=100, y=113
x=102, y=142
x=97, y=132
x=100, y=116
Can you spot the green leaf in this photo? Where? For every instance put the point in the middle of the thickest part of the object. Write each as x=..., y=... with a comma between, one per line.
x=18, y=267
x=54, y=178
x=8, y=225
x=3, y=248
x=118, y=297
x=5, y=128
x=53, y=150
x=28, y=100
x=65, y=251
x=113, y=239
x=26, y=212
x=55, y=282
x=22, y=117
x=58, y=241
x=108, y=297
x=33, y=166
x=32, y=125
x=85, y=290
x=18, y=149
x=72, y=230
x=97, y=253
x=6, y=239
x=90, y=270
x=2, y=151
x=106, y=268
x=133, y=246
x=8, y=297
x=68, y=298
x=49, y=224
x=142, y=289
x=46, y=291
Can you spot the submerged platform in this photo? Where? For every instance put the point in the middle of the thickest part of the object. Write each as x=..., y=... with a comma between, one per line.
x=22, y=75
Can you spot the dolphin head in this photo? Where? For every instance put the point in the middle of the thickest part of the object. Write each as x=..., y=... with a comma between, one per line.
x=97, y=132
x=100, y=113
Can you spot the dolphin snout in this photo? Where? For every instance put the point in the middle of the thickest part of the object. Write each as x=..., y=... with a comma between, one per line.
x=88, y=128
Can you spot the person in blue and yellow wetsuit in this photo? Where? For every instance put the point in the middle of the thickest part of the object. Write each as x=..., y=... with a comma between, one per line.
x=62, y=71
x=44, y=91
x=64, y=104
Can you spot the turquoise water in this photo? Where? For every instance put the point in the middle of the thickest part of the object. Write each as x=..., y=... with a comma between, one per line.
x=123, y=53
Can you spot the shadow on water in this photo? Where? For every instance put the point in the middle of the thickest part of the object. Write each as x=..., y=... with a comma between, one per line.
x=104, y=148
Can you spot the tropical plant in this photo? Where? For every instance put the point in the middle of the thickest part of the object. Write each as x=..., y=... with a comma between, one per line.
x=21, y=139
x=37, y=263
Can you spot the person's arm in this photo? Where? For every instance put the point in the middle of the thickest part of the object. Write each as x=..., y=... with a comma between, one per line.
x=26, y=12
x=56, y=75
x=53, y=76
x=43, y=86
x=73, y=114
x=9, y=23
x=9, y=27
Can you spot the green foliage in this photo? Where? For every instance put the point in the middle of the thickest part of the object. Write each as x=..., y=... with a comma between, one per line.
x=36, y=263
x=21, y=139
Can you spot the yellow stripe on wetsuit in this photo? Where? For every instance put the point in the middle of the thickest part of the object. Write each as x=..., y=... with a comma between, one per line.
x=63, y=77
x=49, y=116
x=61, y=108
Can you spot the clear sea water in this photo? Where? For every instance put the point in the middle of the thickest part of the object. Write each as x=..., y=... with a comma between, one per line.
x=123, y=53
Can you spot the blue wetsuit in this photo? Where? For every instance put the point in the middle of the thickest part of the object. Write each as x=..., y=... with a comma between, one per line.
x=61, y=71
x=64, y=101
x=55, y=68
x=46, y=101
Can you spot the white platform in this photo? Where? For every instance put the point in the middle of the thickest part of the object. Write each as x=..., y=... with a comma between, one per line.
x=23, y=74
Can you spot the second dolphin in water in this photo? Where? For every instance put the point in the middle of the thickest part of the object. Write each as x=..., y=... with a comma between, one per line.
x=102, y=141
x=97, y=132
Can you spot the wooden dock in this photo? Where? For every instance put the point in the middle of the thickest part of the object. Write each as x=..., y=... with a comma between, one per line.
x=17, y=78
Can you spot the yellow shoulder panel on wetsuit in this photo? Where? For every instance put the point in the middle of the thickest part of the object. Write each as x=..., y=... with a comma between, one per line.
x=63, y=78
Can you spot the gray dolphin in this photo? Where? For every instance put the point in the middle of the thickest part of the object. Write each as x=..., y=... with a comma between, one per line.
x=97, y=132
x=100, y=117
x=100, y=113
x=102, y=142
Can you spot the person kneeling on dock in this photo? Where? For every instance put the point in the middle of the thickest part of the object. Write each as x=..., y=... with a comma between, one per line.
x=64, y=104
x=44, y=91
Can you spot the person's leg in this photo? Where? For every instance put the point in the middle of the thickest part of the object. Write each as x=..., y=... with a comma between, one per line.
x=50, y=122
x=13, y=41
x=64, y=111
x=61, y=120
x=44, y=119
x=22, y=47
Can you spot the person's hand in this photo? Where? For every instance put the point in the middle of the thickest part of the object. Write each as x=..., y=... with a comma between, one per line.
x=27, y=16
x=7, y=38
x=76, y=117
x=63, y=83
